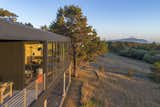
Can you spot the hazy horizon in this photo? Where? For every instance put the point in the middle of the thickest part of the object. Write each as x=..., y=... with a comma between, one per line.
x=112, y=19
x=148, y=37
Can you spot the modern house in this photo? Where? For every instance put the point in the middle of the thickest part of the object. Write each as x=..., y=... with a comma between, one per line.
x=33, y=60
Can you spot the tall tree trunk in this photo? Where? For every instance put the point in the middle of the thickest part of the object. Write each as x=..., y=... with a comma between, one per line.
x=75, y=61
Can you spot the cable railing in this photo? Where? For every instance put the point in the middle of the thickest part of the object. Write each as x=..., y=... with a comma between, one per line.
x=25, y=97
x=31, y=92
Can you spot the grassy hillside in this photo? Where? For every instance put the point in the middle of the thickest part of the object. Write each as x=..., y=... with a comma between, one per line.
x=113, y=87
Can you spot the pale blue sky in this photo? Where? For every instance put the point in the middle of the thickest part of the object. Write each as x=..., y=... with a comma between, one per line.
x=111, y=18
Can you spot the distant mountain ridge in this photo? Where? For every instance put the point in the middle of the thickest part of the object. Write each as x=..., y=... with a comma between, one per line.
x=135, y=40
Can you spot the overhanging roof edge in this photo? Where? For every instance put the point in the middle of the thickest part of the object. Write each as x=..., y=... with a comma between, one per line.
x=15, y=31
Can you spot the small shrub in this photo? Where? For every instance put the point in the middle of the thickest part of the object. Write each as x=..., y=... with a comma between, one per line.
x=151, y=57
x=156, y=71
x=148, y=58
x=133, y=53
x=86, y=93
x=124, y=52
x=93, y=103
x=90, y=103
x=130, y=73
x=101, y=69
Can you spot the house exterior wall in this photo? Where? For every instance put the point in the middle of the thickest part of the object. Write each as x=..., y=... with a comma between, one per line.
x=12, y=63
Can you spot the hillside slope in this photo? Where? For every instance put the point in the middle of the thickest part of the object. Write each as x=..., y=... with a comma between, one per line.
x=114, y=89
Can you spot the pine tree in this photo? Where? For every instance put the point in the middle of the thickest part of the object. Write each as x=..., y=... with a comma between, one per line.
x=85, y=43
x=7, y=13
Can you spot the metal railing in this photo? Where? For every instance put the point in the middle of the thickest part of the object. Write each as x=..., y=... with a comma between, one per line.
x=29, y=94
x=25, y=97
x=66, y=84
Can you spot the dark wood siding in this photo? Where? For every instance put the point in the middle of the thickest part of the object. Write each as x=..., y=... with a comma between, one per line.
x=12, y=63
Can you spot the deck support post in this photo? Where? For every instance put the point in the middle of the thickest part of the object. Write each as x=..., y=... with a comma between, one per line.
x=36, y=90
x=64, y=84
x=53, y=60
x=25, y=97
x=70, y=68
x=11, y=89
x=1, y=95
x=44, y=81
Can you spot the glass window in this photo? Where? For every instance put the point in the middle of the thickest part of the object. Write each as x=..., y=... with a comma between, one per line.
x=33, y=60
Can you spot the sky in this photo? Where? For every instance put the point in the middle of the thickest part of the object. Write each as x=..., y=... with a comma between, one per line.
x=112, y=19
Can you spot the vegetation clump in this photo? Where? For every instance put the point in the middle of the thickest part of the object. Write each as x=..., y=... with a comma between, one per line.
x=130, y=73
x=87, y=96
x=101, y=69
x=91, y=103
x=152, y=57
x=6, y=13
x=86, y=93
x=156, y=72
x=146, y=52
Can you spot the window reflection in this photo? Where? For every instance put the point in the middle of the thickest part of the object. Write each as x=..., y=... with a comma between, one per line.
x=33, y=61
x=57, y=60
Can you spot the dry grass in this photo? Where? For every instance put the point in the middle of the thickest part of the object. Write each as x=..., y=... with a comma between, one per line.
x=70, y=103
x=116, y=90
x=123, y=92
x=88, y=89
x=74, y=94
x=114, y=63
x=86, y=93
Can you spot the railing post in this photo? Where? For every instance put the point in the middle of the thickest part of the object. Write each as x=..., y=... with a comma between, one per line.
x=45, y=59
x=25, y=97
x=36, y=90
x=70, y=73
x=44, y=81
x=11, y=89
x=64, y=84
x=45, y=103
x=1, y=95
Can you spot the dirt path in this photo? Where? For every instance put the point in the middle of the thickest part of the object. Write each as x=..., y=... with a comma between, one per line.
x=74, y=94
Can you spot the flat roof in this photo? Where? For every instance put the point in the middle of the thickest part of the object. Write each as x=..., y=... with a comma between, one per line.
x=15, y=31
